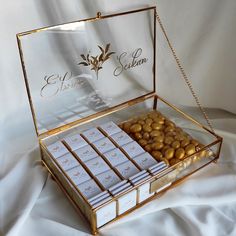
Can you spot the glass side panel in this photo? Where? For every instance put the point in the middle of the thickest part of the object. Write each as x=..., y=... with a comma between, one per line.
x=77, y=69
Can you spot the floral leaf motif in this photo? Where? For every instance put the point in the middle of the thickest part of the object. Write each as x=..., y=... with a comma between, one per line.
x=110, y=53
x=107, y=47
x=83, y=63
x=96, y=62
x=95, y=59
x=108, y=56
x=100, y=57
x=101, y=49
x=83, y=56
x=93, y=63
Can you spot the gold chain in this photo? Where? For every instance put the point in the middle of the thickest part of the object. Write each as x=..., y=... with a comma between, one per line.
x=184, y=74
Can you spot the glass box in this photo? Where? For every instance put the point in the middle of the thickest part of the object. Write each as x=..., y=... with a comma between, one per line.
x=91, y=88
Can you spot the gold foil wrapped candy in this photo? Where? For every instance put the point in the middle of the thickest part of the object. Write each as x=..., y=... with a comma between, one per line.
x=164, y=140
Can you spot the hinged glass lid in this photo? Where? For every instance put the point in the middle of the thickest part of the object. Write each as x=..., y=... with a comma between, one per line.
x=78, y=69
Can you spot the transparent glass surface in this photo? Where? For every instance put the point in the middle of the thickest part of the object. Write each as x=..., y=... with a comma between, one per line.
x=207, y=153
x=77, y=69
x=135, y=110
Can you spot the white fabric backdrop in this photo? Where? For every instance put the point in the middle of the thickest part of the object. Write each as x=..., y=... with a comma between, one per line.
x=204, y=34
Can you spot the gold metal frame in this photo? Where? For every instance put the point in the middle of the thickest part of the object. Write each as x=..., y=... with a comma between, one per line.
x=46, y=156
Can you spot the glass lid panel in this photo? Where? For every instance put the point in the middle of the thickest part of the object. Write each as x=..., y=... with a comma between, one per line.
x=78, y=69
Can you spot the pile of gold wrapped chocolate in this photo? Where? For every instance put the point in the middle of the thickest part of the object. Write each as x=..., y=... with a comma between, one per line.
x=163, y=139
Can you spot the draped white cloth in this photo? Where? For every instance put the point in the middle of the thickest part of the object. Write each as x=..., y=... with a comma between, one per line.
x=203, y=33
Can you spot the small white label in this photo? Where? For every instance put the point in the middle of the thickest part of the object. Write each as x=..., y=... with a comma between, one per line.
x=110, y=128
x=97, y=165
x=57, y=149
x=75, y=141
x=144, y=192
x=106, y=214
x=121, y=138
x=133, y=149
x=104, y=145
x=127, y=202
x=93, y=135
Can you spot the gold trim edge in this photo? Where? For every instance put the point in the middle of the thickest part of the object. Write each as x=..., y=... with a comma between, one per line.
x=98, y=17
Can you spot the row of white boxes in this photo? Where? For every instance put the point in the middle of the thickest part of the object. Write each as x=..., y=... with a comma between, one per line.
x=103, y=163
